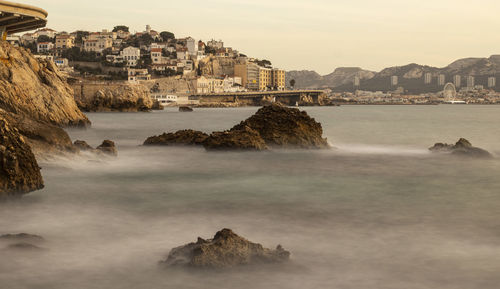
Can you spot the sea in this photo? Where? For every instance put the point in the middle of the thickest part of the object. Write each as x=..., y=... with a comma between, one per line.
x=376, y=211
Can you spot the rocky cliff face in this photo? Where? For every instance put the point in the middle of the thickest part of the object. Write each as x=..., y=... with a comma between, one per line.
x=19, y=170
x=117, y=97
x=217, y=66
x=36, y=89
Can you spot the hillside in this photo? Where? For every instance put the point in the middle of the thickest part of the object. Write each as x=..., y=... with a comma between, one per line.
x=410, y=76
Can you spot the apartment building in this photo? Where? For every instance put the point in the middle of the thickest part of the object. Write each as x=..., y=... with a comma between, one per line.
x=131, y=55
x=279, y=80
x=249, y=74
x=65, y=41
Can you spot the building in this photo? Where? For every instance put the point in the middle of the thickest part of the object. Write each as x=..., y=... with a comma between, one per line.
x=265, y=78
x=492, y=82
x=427, y=78
x=97, y=45
x=182, y=53
x=357, y=81
x=215, y=44
x=470, y=81
x=457, y=80
x=45, y=47
x=29, y=38
x=135, y=75
x=64, y=41
x=279, y=79
x=51, y=33
x=192, y=46
x=156, y=55
x=61, y=62
x=204, y=85
x=132, y=55
x=249, y=74
x=394, y=80
x=441, y=79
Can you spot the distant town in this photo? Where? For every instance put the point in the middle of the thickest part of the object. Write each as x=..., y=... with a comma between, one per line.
x=196, y=67
x=119, y=54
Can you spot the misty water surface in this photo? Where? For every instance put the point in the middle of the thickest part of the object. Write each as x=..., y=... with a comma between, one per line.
x=379, y=211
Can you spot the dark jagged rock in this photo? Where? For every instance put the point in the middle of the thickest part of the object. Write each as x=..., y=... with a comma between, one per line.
x=179, y=138
x=242, y=139
x=157, y=105
x=185, y=109
x=286, y=127
x=24, y=247
x=462, y=148
x=225, y=250
x=82, y=145
x=19, y=170
x=22, y=237
x=108, y=147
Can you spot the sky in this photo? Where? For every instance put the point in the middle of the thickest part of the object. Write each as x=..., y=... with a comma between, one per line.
x=318, y=35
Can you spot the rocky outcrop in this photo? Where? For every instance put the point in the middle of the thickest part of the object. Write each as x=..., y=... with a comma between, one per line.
x=179, y=138
x=108, y=148
x=19, y=170
x=117, y=97
x=244, y=138
x=36, y=89
x=22, y=242
x=273, y=126
x=462, y=148
x=82, y=145
x=285, y=127
x=185, y=109
x=225, y=250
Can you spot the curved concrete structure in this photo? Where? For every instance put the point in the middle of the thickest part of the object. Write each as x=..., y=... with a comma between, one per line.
x=15, y=17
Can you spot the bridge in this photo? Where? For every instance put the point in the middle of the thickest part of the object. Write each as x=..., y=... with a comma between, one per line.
x=15, y=18
x=289, y=97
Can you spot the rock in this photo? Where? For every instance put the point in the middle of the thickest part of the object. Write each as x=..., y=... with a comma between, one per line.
x=241, y=139
x=19, y=170
x=462, y=148
x=225, y=250
x=108, y=147
x=24, y=247
x=179, y=138
x=83, y=145
x=157, y=105
x=285, y=127
x=114, y=97
x=185, y=109
x=36, y=89
x=22, y=237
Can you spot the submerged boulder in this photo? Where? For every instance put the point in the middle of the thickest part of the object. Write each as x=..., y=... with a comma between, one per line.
x=108, y=147
x=185, y=109
x=22, y=237
x=179, y=138
x=225, y=250
x=285, y=127
x=461, y=148
x=241, y=139
x=19, y=170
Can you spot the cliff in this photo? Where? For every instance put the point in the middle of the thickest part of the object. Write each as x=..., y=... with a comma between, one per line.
x=36, y=88
x=19, y=171
x=112, y=97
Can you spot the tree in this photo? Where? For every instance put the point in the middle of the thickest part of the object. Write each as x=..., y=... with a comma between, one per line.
x=121, y=27
x=292, y=83
x=44, y=38
x=80, y=35
x=165, y=35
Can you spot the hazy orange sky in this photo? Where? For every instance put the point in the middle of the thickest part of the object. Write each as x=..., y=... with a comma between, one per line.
x=314, y=34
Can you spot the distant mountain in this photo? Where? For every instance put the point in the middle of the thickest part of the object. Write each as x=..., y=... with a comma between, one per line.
x=410, y=76
x=341, y=76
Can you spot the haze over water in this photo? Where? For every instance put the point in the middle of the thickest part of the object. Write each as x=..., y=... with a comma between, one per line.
x=379, y=211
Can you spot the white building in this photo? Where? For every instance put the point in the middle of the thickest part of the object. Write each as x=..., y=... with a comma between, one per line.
x=441, y=79
x=46, y=32
x=470, y=81
x=492, y=82
x=131, y=55
x=427, y=78
x=457, y=80
x=394, y=80
x=97, y=45
x=44, y=47
x=192, y=46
